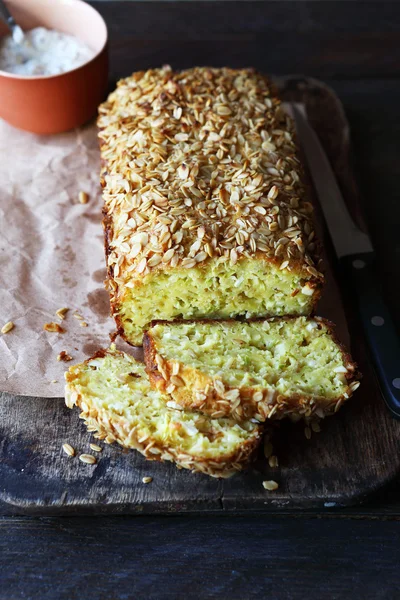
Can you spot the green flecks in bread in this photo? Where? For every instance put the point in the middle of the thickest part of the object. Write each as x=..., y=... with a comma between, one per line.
x=264, y=368
x=207, y=212
x=217, y=290
x=115, y=397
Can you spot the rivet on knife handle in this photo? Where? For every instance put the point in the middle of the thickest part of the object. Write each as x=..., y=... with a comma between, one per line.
x=379, y=329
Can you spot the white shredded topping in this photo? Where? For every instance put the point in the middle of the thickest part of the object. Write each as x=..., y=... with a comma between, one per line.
x=43, y=52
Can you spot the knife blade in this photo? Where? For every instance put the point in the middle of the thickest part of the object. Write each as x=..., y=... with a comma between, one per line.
x=358, y=264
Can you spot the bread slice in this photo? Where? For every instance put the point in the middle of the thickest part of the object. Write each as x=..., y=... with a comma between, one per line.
x=114, y=394
x=207, y=212
x=262, y=369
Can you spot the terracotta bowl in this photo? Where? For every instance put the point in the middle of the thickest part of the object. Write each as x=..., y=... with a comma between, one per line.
x=51, y=104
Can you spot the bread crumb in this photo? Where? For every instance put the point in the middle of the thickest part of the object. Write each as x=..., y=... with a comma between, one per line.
x=53, y=327
x=64, y=356
x=7, y=327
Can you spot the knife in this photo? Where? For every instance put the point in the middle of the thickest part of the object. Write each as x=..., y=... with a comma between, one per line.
x=358, y=263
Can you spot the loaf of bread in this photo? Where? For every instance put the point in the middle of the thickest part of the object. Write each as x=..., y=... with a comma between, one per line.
x=263, y=369
x=206, y=210
x=114, y=394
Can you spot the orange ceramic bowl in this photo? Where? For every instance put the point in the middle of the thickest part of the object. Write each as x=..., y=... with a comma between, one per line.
x=55, y=103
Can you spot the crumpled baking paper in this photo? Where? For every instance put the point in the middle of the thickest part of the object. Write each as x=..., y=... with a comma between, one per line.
x=52, y=257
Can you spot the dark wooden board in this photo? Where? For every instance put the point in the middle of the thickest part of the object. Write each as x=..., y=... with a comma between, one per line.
x=284, y=558
x=357, y=452
x=156, y=558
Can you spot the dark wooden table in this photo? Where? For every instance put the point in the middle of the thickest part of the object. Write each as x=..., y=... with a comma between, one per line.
x=353, y=553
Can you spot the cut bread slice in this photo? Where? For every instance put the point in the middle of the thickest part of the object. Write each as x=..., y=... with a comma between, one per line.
x=114, y=394
x=262, y=369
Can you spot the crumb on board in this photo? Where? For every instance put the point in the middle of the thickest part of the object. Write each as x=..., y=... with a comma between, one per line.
x=61, y=312
x=147, y=479
x=7, y=327
x=53, y=327
x=64, y=356
x=270, y=485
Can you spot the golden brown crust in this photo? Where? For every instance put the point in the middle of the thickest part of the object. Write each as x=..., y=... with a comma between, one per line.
x=246, y=402
x=111, y=427
x=236, y=178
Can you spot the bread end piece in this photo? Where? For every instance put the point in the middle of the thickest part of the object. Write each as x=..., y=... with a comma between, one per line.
x=116, y=402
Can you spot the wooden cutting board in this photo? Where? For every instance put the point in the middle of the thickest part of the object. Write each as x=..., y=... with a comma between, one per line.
x=356, y=453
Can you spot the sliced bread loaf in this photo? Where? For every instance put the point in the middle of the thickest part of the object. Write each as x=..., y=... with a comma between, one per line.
x=263, y=369
x=114, y=394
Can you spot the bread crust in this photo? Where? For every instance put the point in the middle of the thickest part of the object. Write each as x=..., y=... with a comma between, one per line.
x=247, y=404
x=304, y=259
x=111, y=428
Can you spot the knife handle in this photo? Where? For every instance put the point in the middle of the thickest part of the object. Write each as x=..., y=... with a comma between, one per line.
x=379, y=329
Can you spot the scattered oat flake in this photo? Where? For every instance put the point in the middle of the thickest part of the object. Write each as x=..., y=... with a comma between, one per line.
x=61, y=312
x=7, y=327
x=147, y=479
x=273, y=461
x=270, y=485
x=96, y=448
x=53, y=327
x=307, y=432
x=54, y=381
x=88, y=459
x=315, y=426
x=83, y=197
x=268, y=449
x=64, y=356
x=78, y=316
x=83, y=324
x=68, y=449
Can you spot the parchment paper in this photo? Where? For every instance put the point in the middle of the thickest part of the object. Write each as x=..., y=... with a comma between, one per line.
x=52, y=257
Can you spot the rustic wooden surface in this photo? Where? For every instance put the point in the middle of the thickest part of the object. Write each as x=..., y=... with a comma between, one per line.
x=177, y=558
x=332, y=553
x=352, y=457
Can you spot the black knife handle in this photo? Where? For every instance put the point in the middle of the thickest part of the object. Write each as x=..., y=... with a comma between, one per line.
x=380, y=331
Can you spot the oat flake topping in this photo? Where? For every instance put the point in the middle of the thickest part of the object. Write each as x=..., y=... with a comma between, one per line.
x=197, y=164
